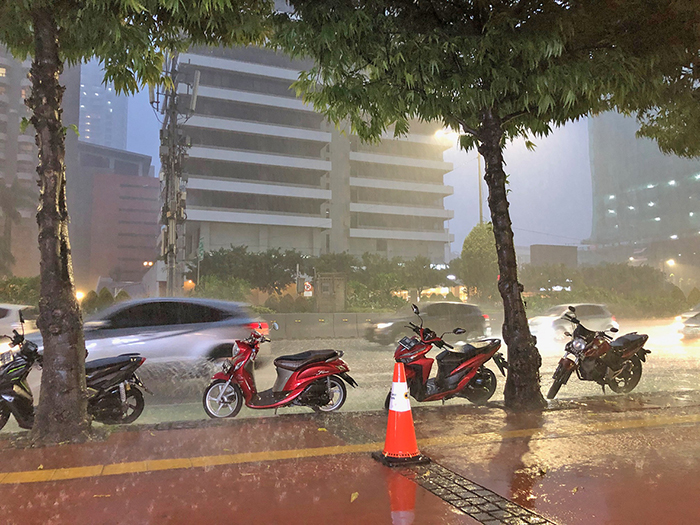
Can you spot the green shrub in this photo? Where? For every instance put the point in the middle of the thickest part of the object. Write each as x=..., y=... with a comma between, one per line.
x=20, y=290
x=694, y=296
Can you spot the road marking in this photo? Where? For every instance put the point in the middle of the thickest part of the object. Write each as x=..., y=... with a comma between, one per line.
x=135, y=467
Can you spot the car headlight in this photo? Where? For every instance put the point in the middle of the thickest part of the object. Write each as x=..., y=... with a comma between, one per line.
x=382, y=326
x=578, y=344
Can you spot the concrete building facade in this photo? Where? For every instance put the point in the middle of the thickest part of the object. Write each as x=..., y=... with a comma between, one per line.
x=18, y=161
x=114, y=205
x=267, y=171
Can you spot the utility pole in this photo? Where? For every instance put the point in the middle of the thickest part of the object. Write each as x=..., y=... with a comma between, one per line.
x=173, y=152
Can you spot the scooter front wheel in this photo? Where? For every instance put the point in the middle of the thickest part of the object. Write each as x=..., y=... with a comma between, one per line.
x=221, y=400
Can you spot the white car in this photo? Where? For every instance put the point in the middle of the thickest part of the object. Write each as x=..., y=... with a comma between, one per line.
x=180, y=337
x=9, y=318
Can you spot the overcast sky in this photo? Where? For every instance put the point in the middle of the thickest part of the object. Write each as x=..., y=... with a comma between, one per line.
x=550, y=188
x=550, y=197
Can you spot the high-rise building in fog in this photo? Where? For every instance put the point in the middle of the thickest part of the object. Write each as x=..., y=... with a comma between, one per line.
x=646, y=205
x=103, y=114
x=18, y=161
x=267, y=171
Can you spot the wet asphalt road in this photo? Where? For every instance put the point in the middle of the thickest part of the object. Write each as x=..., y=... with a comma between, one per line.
x=673, y=365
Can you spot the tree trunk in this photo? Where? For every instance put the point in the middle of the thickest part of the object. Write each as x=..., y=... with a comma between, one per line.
x=62, y=413
x=522, y=390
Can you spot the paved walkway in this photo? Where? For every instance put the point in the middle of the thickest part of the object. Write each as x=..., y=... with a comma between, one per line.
x=607, y=459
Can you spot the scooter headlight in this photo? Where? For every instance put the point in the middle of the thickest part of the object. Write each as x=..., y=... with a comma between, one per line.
x=578, y=344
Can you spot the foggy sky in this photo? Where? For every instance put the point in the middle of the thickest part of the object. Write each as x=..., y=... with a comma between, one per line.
x=551, y=192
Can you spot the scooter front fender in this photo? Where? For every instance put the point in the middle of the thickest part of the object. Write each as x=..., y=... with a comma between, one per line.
x=221, y=375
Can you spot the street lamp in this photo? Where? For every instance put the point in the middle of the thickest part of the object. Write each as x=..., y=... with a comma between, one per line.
x=671, y=262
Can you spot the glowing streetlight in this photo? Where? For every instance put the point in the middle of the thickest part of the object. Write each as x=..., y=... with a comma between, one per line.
x=671, y=262
x=79, y=295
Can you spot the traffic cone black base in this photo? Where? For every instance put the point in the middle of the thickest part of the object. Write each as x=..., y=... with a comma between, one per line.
x=391, y=461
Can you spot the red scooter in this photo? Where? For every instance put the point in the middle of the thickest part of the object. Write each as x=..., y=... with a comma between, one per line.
x=311, y=378
x=461, y=371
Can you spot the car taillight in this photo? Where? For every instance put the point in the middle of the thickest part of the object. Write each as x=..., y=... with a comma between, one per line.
x=486, y=317
x=614, y=320
x=260, y=327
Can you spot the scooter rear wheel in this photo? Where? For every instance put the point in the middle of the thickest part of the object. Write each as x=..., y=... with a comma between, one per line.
x=115, y=414
x=338, y=394
x=479, y=393
x=230, y=403
x=628, y=379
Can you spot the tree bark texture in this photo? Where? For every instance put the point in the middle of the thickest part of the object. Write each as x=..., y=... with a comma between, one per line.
x=62, y=412
x=522, y=390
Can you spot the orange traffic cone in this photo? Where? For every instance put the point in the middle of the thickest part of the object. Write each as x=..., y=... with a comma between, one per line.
x=400, y=447
x=402, y=496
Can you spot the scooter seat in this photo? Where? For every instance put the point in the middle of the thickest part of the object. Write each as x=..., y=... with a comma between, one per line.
x=470, y=350
x=629, y=340
x=296, y=361
x=109, y=361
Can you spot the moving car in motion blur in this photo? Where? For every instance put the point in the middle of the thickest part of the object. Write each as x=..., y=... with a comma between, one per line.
x=177, y=336
x=442, y=316
x=690, y=328
x=688, y=324
x=9, y=317
x=553, y=323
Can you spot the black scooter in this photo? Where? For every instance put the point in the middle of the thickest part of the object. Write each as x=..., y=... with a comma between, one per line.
x=112, y=385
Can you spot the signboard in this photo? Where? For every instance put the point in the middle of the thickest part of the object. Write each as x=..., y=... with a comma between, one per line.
x=308, y=289
x=200, y=249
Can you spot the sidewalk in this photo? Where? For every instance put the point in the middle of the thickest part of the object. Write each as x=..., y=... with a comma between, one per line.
x=625, y=460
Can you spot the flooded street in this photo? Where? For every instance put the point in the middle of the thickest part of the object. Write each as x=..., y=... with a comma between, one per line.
x=587, y=459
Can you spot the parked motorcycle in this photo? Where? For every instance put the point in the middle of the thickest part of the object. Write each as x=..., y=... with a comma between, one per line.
x=112, y=385
x=313, y=379
x=461, y=371
x=596, y=357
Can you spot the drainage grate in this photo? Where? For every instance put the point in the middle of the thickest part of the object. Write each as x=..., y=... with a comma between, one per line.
x=471, y=498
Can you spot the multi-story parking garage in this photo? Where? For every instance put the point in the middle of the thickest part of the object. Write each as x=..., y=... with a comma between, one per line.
x=267, y=171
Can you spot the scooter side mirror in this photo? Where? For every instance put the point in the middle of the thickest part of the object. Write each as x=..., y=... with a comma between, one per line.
x=458, y=331
x=275, y=326
x=614, y=330
x=21, y=317
x=572, y=309
x=415, y=309
x=567, y=334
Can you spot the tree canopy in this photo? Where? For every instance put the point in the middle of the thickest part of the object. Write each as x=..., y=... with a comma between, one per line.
x=478, y=264
x=489, y=70
x=131, y=39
